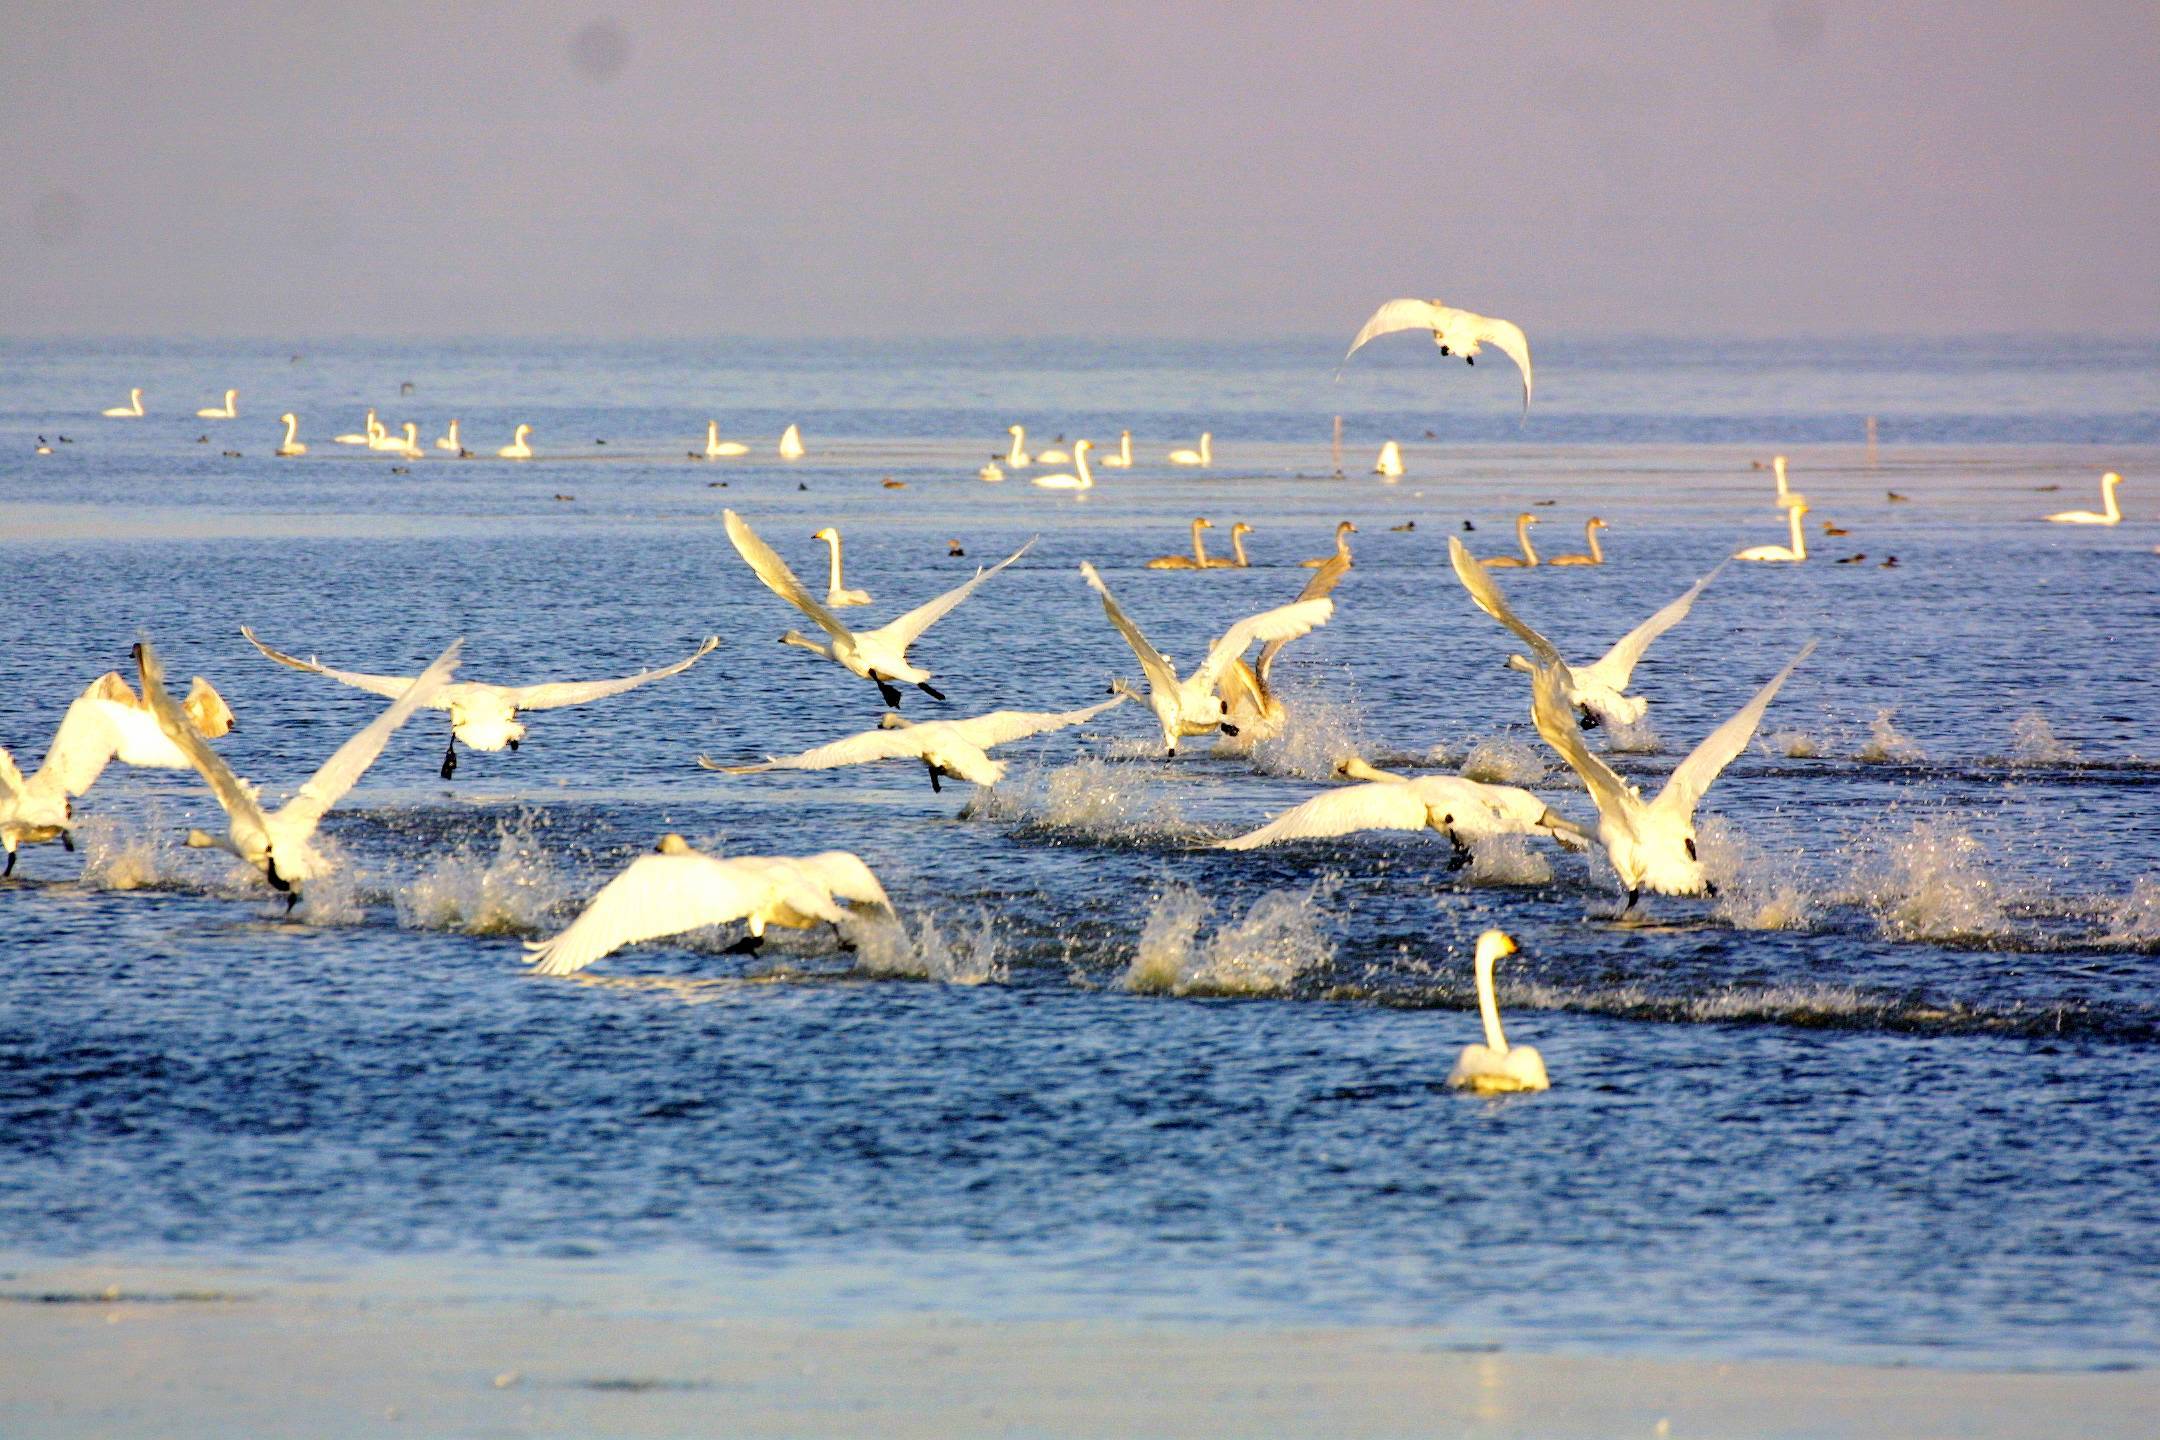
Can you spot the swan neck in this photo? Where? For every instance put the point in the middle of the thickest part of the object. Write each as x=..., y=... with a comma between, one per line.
x=1799, y=536
x=1199, y=546
x=1237, y=548
x=1597, y=555
x=1125, y=447
x=2108, y=503
x=1087, y=476
x=1207, y=453
x=833, y=540
x=1522, y=533
x=1489, y=1007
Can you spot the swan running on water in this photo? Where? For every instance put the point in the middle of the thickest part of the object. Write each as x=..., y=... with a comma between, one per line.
x=1651, y=844
x=1528, y=560
x=948, y=748
x=485, y=716
x=2110, y=514
x=880, y=655
x=280, y=843
x=1456, y=332
x=1084, y=480
x=291, y=445
x=1196, y=561
x=1596, y=691
x=677, y=889
x=1596, y=555
x=1256, y=712
x=1496, y=1067
x=129, y=411
x=228, y=411
x=1793, y=553
x=837, y=595
x=1203, y=456
x=1463, y=810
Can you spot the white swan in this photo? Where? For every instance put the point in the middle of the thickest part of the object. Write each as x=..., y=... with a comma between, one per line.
x=1123, y=459
x=517, y=449
x=990, y=474
x=1196, y=561
x=1596, y=555
x=1255, y=711
x=1463, y=810
x=228, y=411
x=1650, y=843
x=1205, y=455
x=368, y=434
x=128, y=411
x=1053, y=457
x=1456, y=332
x=291, y=445
x=1528, y=560
x=1084, y=480
x=1191, y=706
x=2110, y=514
x=954, y=748
x=1017, y=456
x=677, y=889
x=837, y=595
x=880, y=655
x=791, y=446
x=280, y=843
x=1496, y=1067
x=716, y=448
x=485, y=716
x=1597, y=691
x=449, y=440
x=1238, y=559
x=137, y=737
x=1787, y=498
x=1794, y=553
x=406, y=447
x=1390, y=461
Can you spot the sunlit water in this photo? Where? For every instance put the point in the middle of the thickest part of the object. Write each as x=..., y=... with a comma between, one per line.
x=1890, y=1095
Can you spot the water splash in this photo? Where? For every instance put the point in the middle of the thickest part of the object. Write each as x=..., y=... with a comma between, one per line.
x=1503, y=760
x=1639, y=738
x=2033, y=742
x=1506, y=860
x=2135, y=919
x=517, y=890
x=1114, y=801
x=1756, y=891
x=1934, y=882
x=1317, y=731
x=1792, y=744
x=966, y=954
x=1886, y=743
x=141, y=854
x=1283, y=935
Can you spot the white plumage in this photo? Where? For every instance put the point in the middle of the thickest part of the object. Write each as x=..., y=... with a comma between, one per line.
x=1456, y=332
x=1496, y=1067
x=957, y=748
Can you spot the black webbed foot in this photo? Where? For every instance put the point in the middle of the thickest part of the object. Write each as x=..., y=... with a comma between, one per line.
x=449, y=761
x=935, y=786
x=292, y=898
x=1588, y=720
x=1632, y=897
x=891, y=694
x=67, y=842
x=1444, y=350
x=748, y=945
x=931, y=690
x=1710, y=888
x=513, y=746
x=10, y=870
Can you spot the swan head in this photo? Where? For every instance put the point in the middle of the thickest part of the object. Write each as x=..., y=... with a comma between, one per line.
x=2110, y=480
x=1346, y=528
x=1203, y=524
x=1241, y=528
x=829, y=535
x=1596, y=524
x=1526, y=518
x=1494, y=945
x=1355, y=767
x=672, y=844
x=1518, y=662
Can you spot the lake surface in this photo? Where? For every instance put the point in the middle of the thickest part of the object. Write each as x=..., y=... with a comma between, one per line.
x=1890, y=1096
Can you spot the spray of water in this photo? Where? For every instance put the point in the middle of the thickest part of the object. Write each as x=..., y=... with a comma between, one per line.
x=1503, y=760
x=1317, y=731
x=1506, y=860
x=1792, y=744
x=1933, y=881
x=515, y=889
x=1887, y=744
x=1283, y=935
x=1119, y=802
x=1756, y=890
x=2135, y=920
x=954, y=953
x=2033, y=742
x=138, y=854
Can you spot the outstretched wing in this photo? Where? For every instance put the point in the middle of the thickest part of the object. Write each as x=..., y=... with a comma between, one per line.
x=1383, y=805
x=1284, y=622
x=1323, y=583
x=1394, y=315
x=1160, y=676
x=1505, y=334
x=657, y=895
x=560, y=693
x=904, y=630
x=1555, y=720
x=1001, y=727
x=846, y=876
x=387, y=686
x=343, y=770
x=1618, y=664
x=237, y=800
x=82, y=746
x=863, y=749
x=1241, y=686
x=1693, y=775
x=771, y=569
x=1479, y=583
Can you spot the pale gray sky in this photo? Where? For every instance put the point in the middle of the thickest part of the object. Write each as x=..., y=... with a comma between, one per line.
x=1255, y=169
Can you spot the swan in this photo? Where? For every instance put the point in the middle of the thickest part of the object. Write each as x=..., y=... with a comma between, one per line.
x=1463, y=810
x=1123, y=459
x=1597, y=691
x=676, y=889
x=485, y=716
x=291, y=445
x=1786, y=498
x=228, y=411
x=1495, y=1067
x=517, y=449
x=880, y=655
x=791, y=446
x=449, y=440
x=1597, y=553
x=716, y=448
x=1084, y=480
x=1343, y=532
x=990, y=474
x=1795, y=552
x=1650, y=843
x=1191, y=706
x=1237, y=560
x=128, y=411
x=2111, y=514
x=280, y=843
x=1390, y=461
x=1529, y=557
x=1017, y=456
x=837, y=595
x=408, y=447
x=954, y=748
x=369, y=434
x=1205, y=455
x=1053, y=457
x=137, y=737
x=1456, y=332
x=1196, y=561
x=1248, y=691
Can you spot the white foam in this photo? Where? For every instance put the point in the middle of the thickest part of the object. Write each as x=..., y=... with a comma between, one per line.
x=1503, y=760
x=515, y=890
x=966, y=954
x=1887, y=743
x=1088, y=795
x=1281, y=936
x=1792, y=744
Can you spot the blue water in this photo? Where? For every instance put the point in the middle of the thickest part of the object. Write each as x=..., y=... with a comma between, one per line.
x=1890, y=1096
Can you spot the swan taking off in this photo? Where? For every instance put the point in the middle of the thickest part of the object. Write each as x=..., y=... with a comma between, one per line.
x=1017, y=456
x=291, y=445
x=1084, y=480
x=517, y=449
x=1248, y=691
x=1651, y=844
x=1528, y=560
x=2110, y=514
x=1596, y=691
x=954, y=748
x=837, y=595
x=485, y=716
x=791, y=446
x=677, y=889
x=718, y=449
x=1123, y=459
x=132, y=410
x=1496, y=1067
x=880, y=655
x=1463, y=810
x=1456, y=332
x=1390, y=461
x=370, y=433
x=1793, y=553
x=1596, y=555
x=1191, y=706
x=1205, y=455
x=1196, y=561
x=228, y=411
x=280, y=843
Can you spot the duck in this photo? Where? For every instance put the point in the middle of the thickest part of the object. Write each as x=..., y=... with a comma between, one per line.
x=1462, y=810
x=1203, y=456
x=791, y=446
x=228, y=411
x=1198, y=560
x=1237, y=560
x=1343, y=532
x=1793, y=553
x=517, y=449
x=1596, y=555
x=1496, y=1067
x=1390, y=461
x=1529, y=557
x=130, y=411
x=1082, y=478
x=718, y=449
x=949, y=749
x=1123, y=459
x=837, y=595
x=2109, y=514
x=1456, y=332
x=291, y=445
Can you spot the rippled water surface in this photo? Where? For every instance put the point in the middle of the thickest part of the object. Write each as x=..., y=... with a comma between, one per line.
x=1891, y=1094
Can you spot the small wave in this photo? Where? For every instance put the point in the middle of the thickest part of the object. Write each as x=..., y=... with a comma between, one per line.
x=1503, y=760
x=1887, y=744
x=1282, y=935
x=965, y=954
x=1118, y=802
x=517, y=890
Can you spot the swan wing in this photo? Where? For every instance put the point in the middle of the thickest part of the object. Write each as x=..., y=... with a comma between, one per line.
x=845, y=875
x=237, y=800
x=387, y=686
x=1001, y=727
x=1240, y=686
x=1554, y=716
x=1692, y=776
x=343, y=770
x=1486, y=594
x=904, y=631
x=11, y=777
x=1393, y=316
x=1505, y=335
x=1319, y=587
x=82, y=747
x=560, y=693
x=1160, y=676
x=1381, y=805
x=657, y=895
x=774, y=571
x=1617, y=666
x=1284, y=622
x=864, y=749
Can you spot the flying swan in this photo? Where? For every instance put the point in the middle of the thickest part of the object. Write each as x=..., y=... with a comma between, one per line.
x=1456, y=332
x=1463, y=810
x=954, y=749
x=1496, y=1067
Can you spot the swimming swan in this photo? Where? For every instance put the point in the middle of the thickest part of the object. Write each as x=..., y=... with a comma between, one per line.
x=1205, y=455
x=485, y=716
x=1650, y=843
x=279, y=843
x=128, y=411
x=1786, y=498
x=1463, y=810
x=1496, y=1067
x=291, y=445
x=1597, y=553
x=1456, y=332
x=228, y=411
x=1123, y=459
x=791, y=446
x=1343, y=532
x=990, y=474
x=1390, y=461
x=406, y=447
x=1191, y=706
x=880, y=655
x=369, y=434
x=1017, y=456
x=1525, y=561
x=1084, y=480
x=949, y=748
x=837, y=595
x=1196, y=561
x=1237, y=560
x=1597, y=691
x=677, y=889
x=517, y=449
x=716, y=448
x=449, y=440
x=1795, y=552
x=2110, y=514
x=1053, y=457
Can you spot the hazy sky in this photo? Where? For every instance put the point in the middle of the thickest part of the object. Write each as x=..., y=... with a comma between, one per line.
x=1257, y=169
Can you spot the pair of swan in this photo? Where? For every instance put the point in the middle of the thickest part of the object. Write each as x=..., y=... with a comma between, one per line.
x=1596, y=692
x=1461, y=809
x=1794, y=553
x=1080, y=478
x=2110, y=513
x=405, y=446
x=955, y=749
x=129, y=411
x=791, y=446
x=1203, y=456
x=1390, y=461
x=228, y=411
x=291, y=445
x=518, y=449
x=485, y=716
x=1200, y=559
x=718, y=449
x=1456, y=332
x=880, y=655
x=1496, y=1067
x=677, y=889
